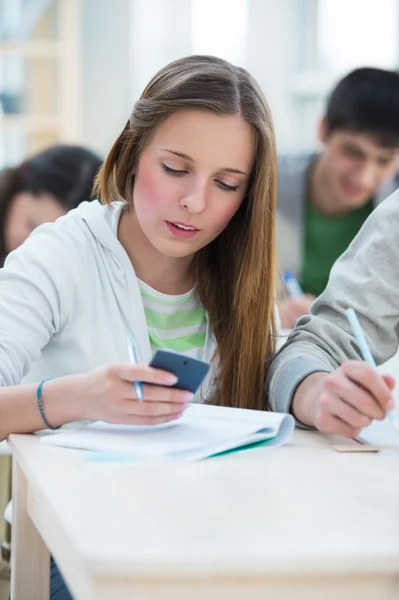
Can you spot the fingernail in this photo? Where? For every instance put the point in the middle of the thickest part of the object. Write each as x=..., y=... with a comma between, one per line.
x=170, y=379
x=186, y=396
x=391, y=404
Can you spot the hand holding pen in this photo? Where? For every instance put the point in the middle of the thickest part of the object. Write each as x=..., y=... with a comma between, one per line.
x=296, y=304
x=347, y=400
x=129, y=393
x=364, y=349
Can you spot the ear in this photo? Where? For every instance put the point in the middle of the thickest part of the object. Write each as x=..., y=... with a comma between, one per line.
x=322, y=130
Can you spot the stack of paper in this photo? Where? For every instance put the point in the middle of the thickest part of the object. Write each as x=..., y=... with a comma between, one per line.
x=203, y=431
x=381, y=433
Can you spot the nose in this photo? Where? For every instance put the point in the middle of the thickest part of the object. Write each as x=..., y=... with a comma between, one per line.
x=196, y=199
x=367, y=175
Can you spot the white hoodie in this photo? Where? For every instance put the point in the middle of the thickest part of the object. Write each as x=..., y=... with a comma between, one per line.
x=68, y=298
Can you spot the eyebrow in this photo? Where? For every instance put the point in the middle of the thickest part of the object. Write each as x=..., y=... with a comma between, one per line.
x=186, y=157
x=387, y=154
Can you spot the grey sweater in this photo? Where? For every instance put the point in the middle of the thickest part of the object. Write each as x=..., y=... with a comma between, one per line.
x=366, y=277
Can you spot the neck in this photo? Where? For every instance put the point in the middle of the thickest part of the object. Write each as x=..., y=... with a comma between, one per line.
x=320, y=194
x=167, y=274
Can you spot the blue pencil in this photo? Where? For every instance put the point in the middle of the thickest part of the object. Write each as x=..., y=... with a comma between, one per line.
x=363, y=345
x=138, y=386
x=293, y=287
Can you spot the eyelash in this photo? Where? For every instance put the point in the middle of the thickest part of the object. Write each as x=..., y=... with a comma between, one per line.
x=174, y=172
x=180, y=173
x=227, y=188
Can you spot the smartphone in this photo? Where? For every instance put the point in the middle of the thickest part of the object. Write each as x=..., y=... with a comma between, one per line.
x=190, y=372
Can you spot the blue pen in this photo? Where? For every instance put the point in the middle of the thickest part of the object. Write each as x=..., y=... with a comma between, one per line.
x=138, y=386
x=293, y=287
x=363, y=345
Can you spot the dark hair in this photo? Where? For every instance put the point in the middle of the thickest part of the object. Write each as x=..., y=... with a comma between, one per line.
x=367, y=101
x=235, y=273
x=65, y=172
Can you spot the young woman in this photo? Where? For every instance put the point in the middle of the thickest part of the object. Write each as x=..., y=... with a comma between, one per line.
x=41, y=189
x=179, y=255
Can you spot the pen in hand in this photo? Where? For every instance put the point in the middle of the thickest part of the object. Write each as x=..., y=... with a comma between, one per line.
x=138, y=386
x=364, y=348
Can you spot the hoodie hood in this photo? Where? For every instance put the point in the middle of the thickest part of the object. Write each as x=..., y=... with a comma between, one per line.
x=97, y=218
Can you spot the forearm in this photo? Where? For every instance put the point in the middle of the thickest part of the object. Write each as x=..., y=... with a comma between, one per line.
x=306, y=394
x=19, y=411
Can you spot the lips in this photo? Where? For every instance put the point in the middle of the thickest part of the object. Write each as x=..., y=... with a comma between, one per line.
x=181, y=230
x=185, y=226
x=354, y=190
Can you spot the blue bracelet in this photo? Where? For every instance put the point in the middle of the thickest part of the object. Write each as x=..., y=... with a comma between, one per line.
x=40, y=405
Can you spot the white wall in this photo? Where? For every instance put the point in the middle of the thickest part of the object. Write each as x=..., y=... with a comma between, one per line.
x=106, y=71
x=124, y=43
x=160, y=32
x=270, y=58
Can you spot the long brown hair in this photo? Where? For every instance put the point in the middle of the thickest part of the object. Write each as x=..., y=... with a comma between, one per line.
x=235, y=274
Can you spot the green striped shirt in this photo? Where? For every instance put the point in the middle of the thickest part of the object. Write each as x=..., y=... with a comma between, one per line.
x=175, y=323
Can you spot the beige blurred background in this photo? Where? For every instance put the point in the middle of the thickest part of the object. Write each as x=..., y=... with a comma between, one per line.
x=71, y=70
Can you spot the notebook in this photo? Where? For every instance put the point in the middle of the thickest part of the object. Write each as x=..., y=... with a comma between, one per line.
x=380, y=433
x=202, y=431
x=379, y=436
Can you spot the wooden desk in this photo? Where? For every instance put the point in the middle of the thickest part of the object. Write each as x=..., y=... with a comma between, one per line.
x=302, y=522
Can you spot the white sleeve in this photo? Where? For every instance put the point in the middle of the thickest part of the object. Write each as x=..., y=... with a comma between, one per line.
x=35, y=287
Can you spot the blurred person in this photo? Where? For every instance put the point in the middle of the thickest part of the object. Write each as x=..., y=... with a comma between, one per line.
x=325, y=197
x=41, y=189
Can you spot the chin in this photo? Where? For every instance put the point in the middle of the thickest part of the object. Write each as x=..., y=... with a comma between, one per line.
x=174, y=250
x=353, y=203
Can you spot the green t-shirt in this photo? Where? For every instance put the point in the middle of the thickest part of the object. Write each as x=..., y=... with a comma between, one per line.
x=326, y=238
x=175, y=322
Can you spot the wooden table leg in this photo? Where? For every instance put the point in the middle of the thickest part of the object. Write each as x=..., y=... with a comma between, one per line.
x=30, y=559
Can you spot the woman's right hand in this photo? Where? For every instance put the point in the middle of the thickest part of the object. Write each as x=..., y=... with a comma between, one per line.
x=107, y=393
x=345, y=401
